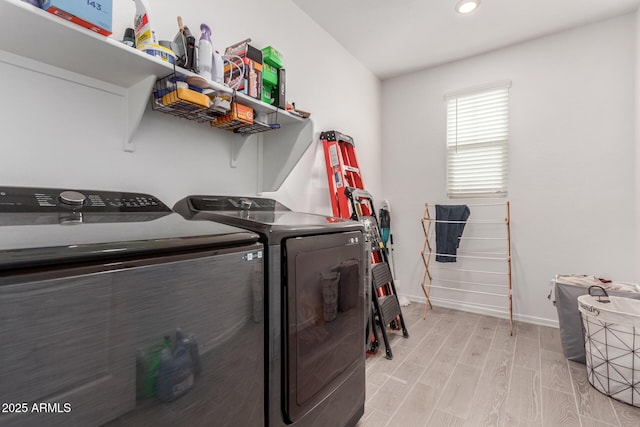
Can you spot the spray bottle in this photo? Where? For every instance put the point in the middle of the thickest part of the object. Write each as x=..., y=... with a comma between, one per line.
x=205, y=52
x=145, y=35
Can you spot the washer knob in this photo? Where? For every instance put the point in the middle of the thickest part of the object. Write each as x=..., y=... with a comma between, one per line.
x=72, y=198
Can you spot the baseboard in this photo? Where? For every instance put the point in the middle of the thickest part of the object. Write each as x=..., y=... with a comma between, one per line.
x=487, y=311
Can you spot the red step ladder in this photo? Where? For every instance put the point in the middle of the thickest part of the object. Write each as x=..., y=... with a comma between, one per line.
x=342, y=171
x=350, y=200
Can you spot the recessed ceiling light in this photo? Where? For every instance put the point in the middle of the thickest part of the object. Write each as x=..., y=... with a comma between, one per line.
x=467, y=6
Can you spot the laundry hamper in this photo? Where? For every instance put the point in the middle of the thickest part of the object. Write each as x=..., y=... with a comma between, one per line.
x=566, y=288
x=612, y=344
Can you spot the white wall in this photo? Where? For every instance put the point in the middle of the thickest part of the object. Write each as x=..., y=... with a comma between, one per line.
x=57, y=133
x=572, y=157
x=637, y=122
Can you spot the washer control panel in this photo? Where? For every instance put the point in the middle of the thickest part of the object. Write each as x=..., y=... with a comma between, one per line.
x=80, y=205
x=20, y=199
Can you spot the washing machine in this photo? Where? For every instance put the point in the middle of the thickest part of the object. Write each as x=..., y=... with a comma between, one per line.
x=315, y=286
x=115, y=310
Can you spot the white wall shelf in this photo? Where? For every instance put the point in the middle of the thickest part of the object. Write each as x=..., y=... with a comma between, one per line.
x=37, y=40
x=56, y=47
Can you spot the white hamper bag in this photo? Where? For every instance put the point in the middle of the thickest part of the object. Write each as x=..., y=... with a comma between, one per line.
x=612, y=344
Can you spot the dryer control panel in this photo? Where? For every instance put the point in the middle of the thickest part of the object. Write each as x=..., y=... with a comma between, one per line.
x=233, y=203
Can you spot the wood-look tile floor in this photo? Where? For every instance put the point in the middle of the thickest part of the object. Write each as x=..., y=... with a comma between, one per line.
x=464, y=369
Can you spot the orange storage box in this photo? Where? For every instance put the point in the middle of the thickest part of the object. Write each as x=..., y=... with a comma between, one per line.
x=240, y=116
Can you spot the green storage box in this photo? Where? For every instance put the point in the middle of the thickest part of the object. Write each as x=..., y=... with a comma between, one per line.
x=269, y=83
x=267, y=95
x=272, y=57
x=269, y=75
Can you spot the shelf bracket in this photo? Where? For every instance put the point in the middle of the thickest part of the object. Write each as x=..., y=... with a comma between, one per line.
x=236, y=148
x=136, y=99
x=282, y=150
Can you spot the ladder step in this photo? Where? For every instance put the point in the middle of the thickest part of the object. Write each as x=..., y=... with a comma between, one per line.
x=390, y=307
x=351, y=169
x=381, y=274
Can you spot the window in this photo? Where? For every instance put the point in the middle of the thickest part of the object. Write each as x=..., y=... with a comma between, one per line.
x=477, y=142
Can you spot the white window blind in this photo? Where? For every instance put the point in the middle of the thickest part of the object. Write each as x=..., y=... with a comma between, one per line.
x=477, y=142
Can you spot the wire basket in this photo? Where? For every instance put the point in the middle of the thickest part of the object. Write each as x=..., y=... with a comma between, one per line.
x=243, y=120
x=172, y=95
x=256, y=127
x=175, y=96
x=612, y=345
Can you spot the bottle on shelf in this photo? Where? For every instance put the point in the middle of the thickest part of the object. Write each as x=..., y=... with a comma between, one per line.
x=145, y=35
x=129, y=37
x=205, y=52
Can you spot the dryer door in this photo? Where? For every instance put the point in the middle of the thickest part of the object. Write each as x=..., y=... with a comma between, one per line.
x=324, y=317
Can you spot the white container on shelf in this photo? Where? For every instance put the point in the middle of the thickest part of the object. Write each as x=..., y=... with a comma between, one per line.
x=205, y=52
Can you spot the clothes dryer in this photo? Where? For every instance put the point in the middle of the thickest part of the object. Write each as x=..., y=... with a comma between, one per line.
x=315, y=286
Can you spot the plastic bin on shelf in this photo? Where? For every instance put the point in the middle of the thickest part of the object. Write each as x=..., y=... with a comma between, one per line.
x=612, y=344
x=567, y=289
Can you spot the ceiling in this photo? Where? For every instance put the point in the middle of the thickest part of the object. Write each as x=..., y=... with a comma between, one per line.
x=393, y=37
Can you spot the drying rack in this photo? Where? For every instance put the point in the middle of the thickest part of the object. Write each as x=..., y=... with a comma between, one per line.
x=499, y=271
